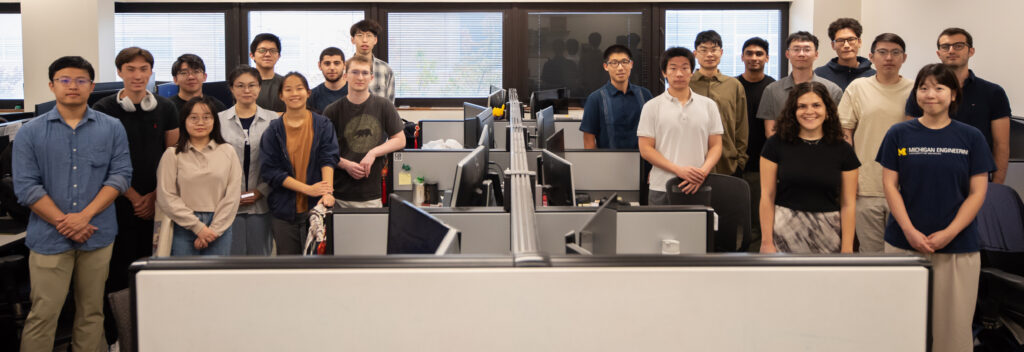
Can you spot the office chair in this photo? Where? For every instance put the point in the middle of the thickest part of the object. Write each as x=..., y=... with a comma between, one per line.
x=1001, y=228
x=730, y=198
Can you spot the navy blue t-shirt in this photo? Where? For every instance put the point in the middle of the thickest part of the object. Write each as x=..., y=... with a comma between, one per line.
x=620, y=132
x=982, y=102
x=935, y=169
x=320, y=97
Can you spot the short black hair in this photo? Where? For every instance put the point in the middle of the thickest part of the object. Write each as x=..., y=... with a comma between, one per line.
x=366, y=25
x=305, y=83
x=242, y=70
x=842, y=23
x=802, y=36
x=758, y=41
x=264, y=37
x=675, y=52
x=954, y=31
x=72, y=62
x=943, y=75
x=331, y=51
x=617, y=48
x=193, y=61
x=889, y=38
x=708, y=36
x=128, y=54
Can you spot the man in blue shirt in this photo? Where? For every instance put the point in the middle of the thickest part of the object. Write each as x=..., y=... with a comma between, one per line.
x=984, y=105
x=69, y=165
x=612, y=112
x=335, y=86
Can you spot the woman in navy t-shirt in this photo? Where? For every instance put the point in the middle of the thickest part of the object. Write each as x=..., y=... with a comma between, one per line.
x=808, y=178
x=935, y=176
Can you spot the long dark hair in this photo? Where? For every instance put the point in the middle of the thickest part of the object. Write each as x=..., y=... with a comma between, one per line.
x=788, y=127
x=183, y=136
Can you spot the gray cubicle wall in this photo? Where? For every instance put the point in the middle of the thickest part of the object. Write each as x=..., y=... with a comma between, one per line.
x=571, y=128
x=596, y=172
x=486, y=230
x=431, y=130
x=679, y=303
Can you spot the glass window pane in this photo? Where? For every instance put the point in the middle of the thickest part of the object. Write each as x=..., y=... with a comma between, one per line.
x=445, y=55
x=12, y=79
x=168, y=35
x=735, y=27
x=566, y=49
x=304, y=34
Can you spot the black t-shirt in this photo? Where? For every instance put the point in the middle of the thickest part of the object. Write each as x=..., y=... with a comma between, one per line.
x=361, y=128
x=755, y=136
x=269, y=97
x=217, y=107
x=146, y=141
x=809, y=175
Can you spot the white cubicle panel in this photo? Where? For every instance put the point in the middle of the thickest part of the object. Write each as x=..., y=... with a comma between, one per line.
x=431, y=130
x=605, y=170
x=433, y=165
x=646, y=308
x=571, y=129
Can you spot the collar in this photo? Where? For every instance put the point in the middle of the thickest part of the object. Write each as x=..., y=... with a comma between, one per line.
x=676, y=100
x=608, y=86
x=718, y=76
x=969, y=80
x=863, y=64
x=54, y=114
x=209, y=146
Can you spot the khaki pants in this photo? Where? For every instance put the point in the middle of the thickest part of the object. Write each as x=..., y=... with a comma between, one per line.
x=872, y=213
x=375, y=203
x=954, y=295
x=50, y=276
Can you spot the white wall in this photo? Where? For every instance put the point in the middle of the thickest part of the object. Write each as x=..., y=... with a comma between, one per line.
x=992, y=23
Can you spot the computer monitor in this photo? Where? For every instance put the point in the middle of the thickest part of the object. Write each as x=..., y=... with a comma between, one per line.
x=486, y=119
x=485, y=136
x=470, y=131
x=497, y=98
x=556, y=143
x=414, y=231
x=471, y=110
x=469, y=179
x=598, y=235
x=545, y=126
x=557, y=176
x=557, y=98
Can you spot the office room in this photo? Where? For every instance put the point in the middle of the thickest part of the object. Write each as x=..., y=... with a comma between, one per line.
x=540, y=175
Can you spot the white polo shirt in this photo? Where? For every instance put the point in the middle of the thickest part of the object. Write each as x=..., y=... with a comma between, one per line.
x=680, y=131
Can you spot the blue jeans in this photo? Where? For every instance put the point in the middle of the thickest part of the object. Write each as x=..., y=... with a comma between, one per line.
x=183, y=242
x=251, y=235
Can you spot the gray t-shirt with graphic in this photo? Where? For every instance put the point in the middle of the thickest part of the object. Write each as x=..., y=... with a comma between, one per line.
x=361, y=127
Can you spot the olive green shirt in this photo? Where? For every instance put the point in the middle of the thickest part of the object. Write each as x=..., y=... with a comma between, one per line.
x=727, y=92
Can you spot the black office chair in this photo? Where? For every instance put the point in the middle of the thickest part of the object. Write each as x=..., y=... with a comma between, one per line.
x=730, y=198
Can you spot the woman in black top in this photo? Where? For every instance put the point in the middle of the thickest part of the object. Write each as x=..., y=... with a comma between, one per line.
x=808, y=178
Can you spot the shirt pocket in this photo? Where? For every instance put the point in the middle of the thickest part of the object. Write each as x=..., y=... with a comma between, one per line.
x=99, y=157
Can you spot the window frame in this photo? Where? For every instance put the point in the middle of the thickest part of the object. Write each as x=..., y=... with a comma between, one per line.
x=10, y=104
x=661, y=8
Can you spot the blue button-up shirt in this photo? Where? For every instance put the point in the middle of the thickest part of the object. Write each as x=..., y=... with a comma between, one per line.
x=612, y=116
x=71, y=166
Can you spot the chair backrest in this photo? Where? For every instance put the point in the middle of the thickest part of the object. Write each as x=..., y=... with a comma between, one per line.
x=121, y=306
x=730, y=198
x=1001, y=220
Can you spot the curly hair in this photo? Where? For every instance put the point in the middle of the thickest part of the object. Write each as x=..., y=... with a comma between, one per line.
x=789, y=128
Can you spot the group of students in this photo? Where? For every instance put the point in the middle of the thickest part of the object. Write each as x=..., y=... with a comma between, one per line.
x=233, y=180
x=832, y=153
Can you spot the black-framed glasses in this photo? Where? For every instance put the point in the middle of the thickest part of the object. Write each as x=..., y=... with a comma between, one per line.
x=955, y=46
x=262, y=51
x=614, y=63
x=844, y=41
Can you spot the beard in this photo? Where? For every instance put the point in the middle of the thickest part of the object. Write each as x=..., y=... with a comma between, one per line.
x=328, y=78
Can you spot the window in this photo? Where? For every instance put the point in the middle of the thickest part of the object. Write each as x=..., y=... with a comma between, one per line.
x=566, y=49
x=12, y=78
x=168, y=35
x=445, y=54
x=735, y=27
x=304, y=34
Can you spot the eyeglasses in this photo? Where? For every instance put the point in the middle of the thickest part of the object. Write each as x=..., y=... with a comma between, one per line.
x=365, y=35
x=844, y=41
x=263, y=51
x=622, y=62
x=801, y=50
x=187, y=73
x=199, y=118
x=955, y=46
x=250, y=86
x=704, y=50
x=884, y=52
x=67, y=81
x=359, y=73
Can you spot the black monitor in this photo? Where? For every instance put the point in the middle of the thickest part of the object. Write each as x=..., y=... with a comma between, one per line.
x=470, y=131
x=545, y=126
x=485, y=136
x=496, y=99
x=598, y=235
x=413, y=231
x=486, y=120
x=556, y=143
x=471, y=110
x=557, y=176
x=469, y=179
x=557, y=98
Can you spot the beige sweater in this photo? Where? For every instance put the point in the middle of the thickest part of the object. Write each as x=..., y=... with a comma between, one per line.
x=207, y=180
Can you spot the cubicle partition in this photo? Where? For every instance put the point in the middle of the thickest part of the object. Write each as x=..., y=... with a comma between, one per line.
x=487, y=303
